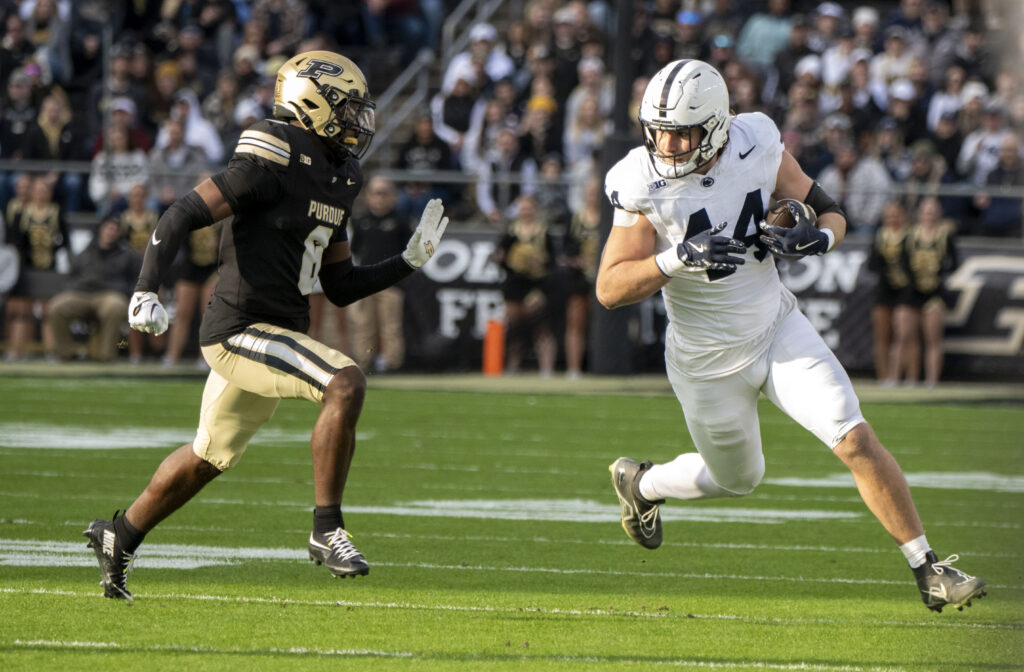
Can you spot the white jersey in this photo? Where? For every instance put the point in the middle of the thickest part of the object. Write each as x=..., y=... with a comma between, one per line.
x=719, y=321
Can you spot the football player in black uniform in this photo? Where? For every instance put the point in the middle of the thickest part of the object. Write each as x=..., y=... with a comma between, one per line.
x=289, y=187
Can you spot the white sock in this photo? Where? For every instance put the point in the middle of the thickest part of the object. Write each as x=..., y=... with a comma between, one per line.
x=915, y=551
x=685, y=477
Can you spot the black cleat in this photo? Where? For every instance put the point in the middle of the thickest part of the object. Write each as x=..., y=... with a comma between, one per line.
x=941, y=584
x=334, y=550
x=640, y=518
x=115, y=563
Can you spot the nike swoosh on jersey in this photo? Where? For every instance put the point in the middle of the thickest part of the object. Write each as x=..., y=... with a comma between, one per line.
x=154, y=239
x=349, y=181
x=745, y=154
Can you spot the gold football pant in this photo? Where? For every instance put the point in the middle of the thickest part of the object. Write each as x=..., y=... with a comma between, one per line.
x=250, y=373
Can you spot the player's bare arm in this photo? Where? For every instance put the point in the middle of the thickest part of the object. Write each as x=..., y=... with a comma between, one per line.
x=793, y=182
x=628, y=273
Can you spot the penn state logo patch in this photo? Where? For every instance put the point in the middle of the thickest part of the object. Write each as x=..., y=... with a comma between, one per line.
x=707, y=182
x=654, y=186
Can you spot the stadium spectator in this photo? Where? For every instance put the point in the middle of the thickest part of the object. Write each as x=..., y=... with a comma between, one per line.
x=930, y=256
x=398, y=24
x=245, y=66
x=593, y=83
x=586, y=132
x=905, y=113
x=56, y=137
x=566, y=50
x=118, y=84
x=219, y=108
x=540, y=129
x=886, y=261
x=527, y=254
x=17, y=117
x=781, y=75
x=15, y=48
x=504, y=174
x=116, y=170
x=973, y=55
x=1002, y=215
x=452, y=109
x=49, y=32
x=285, y=22
x=829, y=25
x=980, y=152
x=483, y=38
x=198, y=131
x=99, y=284
x=426, y=154
x=949, y=98
x=552, y=194
x=378, y=343
x=582, y=250
x=764, y=35
x=160, y=93
x=36, y=228
x=894, y=61
x=948, y=141
x=122, y=114
x=860, y=184
x=926, y=174
x=722, y=50
x=138, y=220
x=174, y=167
x=865, y=28
x=687, y=35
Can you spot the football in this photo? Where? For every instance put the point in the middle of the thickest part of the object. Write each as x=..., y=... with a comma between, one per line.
x=786, y=211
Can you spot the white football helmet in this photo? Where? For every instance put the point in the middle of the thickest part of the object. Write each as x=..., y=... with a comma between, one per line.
x=684, y=96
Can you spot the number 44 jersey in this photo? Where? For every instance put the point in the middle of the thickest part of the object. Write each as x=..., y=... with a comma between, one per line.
x=291, y=199
x=719, y=321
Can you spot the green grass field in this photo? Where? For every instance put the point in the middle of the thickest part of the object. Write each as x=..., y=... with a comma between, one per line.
x=492, y=533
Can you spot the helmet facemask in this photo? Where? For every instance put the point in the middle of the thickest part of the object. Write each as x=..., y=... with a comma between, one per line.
x=698, y=155
x=351, y=127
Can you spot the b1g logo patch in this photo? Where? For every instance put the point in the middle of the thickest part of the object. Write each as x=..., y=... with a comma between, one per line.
x=316, y=67
x=654, y=186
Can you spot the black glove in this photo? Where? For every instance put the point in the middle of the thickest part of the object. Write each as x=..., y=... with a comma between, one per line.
x=803, y=239
x=708, y=250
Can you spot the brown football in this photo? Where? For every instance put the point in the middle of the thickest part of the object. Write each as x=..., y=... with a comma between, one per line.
x=785, y=212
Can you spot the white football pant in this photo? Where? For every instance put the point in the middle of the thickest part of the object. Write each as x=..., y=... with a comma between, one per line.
x=797, y=372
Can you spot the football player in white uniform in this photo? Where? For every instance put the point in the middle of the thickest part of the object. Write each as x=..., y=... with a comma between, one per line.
x=689, y=221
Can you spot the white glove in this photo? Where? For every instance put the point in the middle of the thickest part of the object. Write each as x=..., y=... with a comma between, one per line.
x=146, y=314
x=427, y=235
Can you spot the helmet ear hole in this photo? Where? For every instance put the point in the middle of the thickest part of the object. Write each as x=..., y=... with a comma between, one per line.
x=310, y=104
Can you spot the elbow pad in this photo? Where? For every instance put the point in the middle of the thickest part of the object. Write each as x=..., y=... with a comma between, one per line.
x=821, y=202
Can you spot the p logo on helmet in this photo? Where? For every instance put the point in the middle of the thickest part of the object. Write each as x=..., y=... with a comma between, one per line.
x=316, y=67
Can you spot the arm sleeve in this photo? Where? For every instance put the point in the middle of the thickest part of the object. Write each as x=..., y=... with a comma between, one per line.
x=344, y=283
x=185, y=214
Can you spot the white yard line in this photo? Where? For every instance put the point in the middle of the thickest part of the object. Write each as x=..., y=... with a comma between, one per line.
x=490, y=609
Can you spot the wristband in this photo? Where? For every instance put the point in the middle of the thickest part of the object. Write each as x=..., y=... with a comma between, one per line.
x=831, y=238
x=668, y=262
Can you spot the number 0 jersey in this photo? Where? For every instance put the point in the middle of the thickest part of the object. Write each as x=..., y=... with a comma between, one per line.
x=290, y=201
x=719, y=321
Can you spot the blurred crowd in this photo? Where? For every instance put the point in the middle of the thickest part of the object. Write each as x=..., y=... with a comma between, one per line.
x=880, y=100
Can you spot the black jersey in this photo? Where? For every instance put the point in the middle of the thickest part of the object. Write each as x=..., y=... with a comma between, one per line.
x=290, y=200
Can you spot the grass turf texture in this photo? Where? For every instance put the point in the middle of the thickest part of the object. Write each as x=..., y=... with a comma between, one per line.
x=457, y=582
